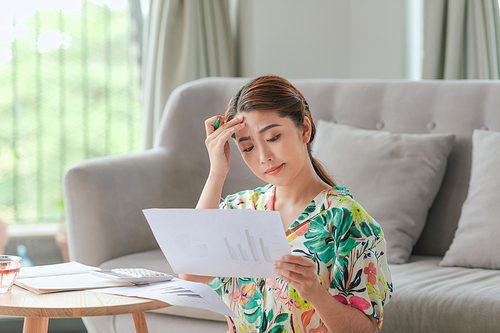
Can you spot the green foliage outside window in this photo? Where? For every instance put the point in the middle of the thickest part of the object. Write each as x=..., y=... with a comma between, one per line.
x=69, y=91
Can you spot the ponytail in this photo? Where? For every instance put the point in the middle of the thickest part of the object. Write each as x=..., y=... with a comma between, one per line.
x=321, y=172
x=317, y=165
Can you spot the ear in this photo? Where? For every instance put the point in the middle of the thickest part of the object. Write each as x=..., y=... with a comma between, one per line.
x=306, y=130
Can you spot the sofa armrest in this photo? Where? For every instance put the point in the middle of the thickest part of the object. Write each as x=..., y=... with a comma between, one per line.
x=104, y=198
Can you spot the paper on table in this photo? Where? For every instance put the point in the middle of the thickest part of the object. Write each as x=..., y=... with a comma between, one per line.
x=220, y=242
x=50, y=284
x=66, y=268
x=176, y=292
x=61, y=277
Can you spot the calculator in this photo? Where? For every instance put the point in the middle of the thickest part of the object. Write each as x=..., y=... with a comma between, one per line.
x=134, y=275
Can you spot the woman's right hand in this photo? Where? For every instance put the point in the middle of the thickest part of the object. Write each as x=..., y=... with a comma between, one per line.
x=218, y=145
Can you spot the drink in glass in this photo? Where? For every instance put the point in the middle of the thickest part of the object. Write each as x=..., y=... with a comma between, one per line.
x=9, y=269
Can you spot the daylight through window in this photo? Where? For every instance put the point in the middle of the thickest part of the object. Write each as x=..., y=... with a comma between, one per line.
x=69, y=91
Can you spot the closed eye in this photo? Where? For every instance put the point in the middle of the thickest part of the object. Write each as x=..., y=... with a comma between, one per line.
x=274, y=138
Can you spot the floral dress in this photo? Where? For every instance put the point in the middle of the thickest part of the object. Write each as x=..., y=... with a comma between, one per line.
x=346, y=244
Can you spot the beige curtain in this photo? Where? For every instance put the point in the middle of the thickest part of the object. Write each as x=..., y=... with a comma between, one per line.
x=461, y=39
x=184, y=40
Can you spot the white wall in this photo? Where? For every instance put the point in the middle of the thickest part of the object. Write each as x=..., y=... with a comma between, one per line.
x=322, y=38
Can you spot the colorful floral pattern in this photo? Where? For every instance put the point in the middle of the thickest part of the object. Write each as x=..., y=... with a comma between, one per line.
x=348, y=248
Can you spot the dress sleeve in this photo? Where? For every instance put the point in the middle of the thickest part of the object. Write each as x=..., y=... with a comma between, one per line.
x=360, y=274
x=216, y=284
x=228, y=202
x=223, y=205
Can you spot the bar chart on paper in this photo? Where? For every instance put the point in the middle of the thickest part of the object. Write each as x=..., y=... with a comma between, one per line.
x=176, y=292
x=258, y=250
x=179, y=292
x=213, y=242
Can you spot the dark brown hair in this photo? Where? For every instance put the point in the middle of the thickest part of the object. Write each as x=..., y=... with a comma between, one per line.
x=274, y=93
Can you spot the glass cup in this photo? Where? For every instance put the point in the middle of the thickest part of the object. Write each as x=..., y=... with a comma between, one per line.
x=9, y=269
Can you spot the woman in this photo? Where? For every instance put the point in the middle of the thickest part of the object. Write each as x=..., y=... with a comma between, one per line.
x=337, y=279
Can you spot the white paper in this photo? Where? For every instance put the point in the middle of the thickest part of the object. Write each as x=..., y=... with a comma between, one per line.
x=65, y=276
x=176, y=292
x=220, y=242
x=47, y=284
x=66, y=268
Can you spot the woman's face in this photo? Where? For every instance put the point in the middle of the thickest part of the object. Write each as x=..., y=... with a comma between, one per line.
x=273, y=147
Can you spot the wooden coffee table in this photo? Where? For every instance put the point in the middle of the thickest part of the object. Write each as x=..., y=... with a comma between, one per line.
x=37, y=309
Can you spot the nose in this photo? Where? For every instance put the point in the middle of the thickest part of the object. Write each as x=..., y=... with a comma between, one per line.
x=265, y=154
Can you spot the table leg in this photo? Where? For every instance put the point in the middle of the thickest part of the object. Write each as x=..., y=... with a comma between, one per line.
x=35, y=325
x=140, y=322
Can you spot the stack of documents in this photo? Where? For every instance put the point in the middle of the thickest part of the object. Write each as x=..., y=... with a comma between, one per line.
x=62, y=277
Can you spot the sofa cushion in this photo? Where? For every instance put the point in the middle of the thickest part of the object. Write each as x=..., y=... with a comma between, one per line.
x=476, y=240
x=430, y=298
x=155, y=260
x=395, y=177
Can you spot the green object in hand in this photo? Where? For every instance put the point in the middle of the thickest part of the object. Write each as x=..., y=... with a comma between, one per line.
x=217, y=123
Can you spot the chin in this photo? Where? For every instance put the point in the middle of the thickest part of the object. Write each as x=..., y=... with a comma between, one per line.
x=276, y=181
x=268, y=179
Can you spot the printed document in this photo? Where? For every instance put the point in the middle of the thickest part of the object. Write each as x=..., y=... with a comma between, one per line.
x=220, y=242
x=176, y=292
x=62, y=277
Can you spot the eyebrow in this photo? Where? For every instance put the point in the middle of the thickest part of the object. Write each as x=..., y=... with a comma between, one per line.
x=245, y=138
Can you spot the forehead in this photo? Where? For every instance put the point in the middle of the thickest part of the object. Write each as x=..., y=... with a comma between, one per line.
x=259, y=117
x=257, y=121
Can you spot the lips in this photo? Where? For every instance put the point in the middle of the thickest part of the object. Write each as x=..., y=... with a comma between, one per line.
x=274, y=170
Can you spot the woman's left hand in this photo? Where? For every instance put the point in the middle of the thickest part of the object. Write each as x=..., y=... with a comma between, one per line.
x=300, y=273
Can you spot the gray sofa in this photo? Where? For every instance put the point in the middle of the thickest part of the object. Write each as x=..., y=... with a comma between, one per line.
x=104, y=196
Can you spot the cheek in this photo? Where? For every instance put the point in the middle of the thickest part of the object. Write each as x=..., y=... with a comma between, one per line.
x=288, y=148
x=249, y=159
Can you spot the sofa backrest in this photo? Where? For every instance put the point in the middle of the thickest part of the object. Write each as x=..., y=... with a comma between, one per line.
x=398, y=106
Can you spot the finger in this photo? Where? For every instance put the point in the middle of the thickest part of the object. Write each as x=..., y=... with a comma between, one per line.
x=233, y=122
x=298, y=260
x=290, y=282
x=213, y=134
x=219, y=140
x=219, y=122
x=295, y=258
x=299, y=272
x=290, y=277
x=222, y=138
x=209, y=124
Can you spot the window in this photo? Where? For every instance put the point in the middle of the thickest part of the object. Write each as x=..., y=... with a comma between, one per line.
x=414, y=39
x=69, y=78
